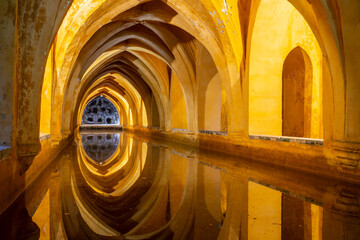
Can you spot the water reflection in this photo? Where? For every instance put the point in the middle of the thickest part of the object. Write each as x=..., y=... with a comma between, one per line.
x=155, y=190
x=100, y=147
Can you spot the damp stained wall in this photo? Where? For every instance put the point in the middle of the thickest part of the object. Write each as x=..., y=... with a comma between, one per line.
x=7, y=32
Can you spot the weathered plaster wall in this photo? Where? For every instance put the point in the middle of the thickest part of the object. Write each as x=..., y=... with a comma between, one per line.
x=7, y=33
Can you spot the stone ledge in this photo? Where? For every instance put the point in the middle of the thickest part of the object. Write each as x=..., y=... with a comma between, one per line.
x=220, y=133
x=308, y=141
x=100, y=127
x=44, y=136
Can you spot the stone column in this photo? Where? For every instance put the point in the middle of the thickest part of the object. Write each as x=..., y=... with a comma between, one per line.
x=36, y=25
x=346, y=140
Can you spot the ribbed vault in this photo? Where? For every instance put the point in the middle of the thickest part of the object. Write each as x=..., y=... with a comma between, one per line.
x=143, y=46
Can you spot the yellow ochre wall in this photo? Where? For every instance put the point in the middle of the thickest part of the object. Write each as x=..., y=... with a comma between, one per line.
x=278, y=29
x=178, y=106
x=45, y=114
x=209, y=95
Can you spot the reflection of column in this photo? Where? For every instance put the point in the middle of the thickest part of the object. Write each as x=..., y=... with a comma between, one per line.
x=208, y=203
x=295, y=218
x=342, y=217
x=177, y=182
x=235, y=224
x=264, y=209
x=152, y=213
x=183, y=222
x=57, y=230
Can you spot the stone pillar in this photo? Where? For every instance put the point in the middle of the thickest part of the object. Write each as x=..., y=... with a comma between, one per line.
x=36, y=24
x=346, y=141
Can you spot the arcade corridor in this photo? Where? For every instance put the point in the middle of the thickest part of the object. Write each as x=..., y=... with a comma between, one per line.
x=180, y=119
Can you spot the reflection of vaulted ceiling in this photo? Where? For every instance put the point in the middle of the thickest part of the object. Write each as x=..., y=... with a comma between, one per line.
x=126, y=197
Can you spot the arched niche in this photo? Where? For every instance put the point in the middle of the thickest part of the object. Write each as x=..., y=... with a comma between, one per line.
x=100, y=110
x=284, y=29
x=297, y=94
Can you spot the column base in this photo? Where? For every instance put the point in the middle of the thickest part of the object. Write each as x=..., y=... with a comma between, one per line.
x=347, y=154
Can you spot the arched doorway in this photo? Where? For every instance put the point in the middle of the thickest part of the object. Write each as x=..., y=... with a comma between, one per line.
x=297, y=94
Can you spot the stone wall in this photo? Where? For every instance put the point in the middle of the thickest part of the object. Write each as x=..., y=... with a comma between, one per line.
x=7, y=27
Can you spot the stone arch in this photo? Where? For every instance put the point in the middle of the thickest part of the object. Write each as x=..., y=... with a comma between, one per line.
x=123, y=104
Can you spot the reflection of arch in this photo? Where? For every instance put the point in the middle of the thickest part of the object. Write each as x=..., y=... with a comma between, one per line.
x=100, y=147
x=297, y=78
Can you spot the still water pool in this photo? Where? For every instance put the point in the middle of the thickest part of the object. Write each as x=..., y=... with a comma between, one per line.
x=111, y=185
